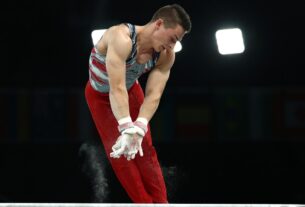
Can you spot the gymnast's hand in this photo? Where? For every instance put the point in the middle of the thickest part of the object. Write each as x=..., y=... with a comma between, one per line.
x=141, y=129
x=140, y=126
x=130, y=142
x=126, y=143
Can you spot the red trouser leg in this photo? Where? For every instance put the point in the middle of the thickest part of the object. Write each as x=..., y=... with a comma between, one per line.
x=142, y=177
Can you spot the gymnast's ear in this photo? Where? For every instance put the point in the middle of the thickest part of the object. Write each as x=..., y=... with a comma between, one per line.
x=158, y=23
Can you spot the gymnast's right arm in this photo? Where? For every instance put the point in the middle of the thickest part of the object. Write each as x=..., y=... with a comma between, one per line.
x=118, y=49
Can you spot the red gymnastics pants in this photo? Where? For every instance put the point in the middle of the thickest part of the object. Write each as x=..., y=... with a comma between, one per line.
x=141, y=177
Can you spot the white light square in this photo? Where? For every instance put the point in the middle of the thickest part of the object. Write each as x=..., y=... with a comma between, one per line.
x=178, y=46
x=96, y=35
x=230, y=41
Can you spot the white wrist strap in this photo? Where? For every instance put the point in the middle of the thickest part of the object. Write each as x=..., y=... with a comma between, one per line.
x=124, y=120
x=143, y=120
x=141, y=123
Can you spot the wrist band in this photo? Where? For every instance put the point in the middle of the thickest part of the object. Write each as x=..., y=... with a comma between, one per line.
x=125, y=123
x=124, y=120
x=141, y=125
x=143, y=120
x=125, y=126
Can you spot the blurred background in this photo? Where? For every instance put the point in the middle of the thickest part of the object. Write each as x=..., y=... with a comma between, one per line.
x=229, y=129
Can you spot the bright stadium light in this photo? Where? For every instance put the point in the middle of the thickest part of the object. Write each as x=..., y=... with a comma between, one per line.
x=96, y=35
x=230, y=41
x=178, y=46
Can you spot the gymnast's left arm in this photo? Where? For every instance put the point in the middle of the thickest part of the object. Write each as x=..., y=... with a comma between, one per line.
x=155, y=84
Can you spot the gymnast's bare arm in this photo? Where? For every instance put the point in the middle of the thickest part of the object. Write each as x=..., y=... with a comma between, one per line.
x=117, y=44
x=156, y=82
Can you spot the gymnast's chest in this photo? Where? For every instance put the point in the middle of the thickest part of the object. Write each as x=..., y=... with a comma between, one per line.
x=143, y=58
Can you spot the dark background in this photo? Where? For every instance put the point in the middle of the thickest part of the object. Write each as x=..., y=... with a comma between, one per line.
x=229, y=129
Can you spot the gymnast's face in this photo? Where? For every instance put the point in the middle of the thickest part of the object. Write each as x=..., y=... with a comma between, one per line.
x=165, y=38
